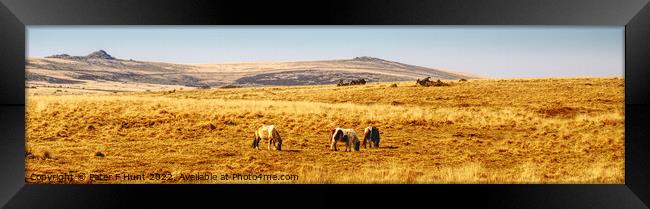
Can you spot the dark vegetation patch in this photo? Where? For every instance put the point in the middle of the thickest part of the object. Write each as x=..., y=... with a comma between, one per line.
x=428, y=82
x=352, y=82
x=230, y=87
x=564, y=112
x=37, y=77
x=312, y=77
x=100, y=154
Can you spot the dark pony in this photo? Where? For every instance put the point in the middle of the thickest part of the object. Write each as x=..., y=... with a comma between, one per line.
x=371, y=134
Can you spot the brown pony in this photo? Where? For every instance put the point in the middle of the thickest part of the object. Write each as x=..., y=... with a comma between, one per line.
x=268, y=133
x=344, y=135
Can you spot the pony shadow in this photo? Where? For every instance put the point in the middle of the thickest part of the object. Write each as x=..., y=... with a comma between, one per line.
x=389, y=147
x=292, y=150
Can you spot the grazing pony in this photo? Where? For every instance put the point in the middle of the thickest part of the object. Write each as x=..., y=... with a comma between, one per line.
x=371, y=134
x=344, y=135
x=268, y=133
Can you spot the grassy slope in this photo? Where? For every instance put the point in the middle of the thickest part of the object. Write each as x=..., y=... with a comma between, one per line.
x=481, y=131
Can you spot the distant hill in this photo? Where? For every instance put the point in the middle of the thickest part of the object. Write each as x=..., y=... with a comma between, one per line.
x=101, y=67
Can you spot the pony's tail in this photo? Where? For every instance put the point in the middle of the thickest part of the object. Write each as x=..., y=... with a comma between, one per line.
x=254, y=140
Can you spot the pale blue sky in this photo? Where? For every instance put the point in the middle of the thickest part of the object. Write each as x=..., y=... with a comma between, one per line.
x=492, y=51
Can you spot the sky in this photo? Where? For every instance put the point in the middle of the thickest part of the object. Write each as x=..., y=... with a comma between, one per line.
x=489, y=51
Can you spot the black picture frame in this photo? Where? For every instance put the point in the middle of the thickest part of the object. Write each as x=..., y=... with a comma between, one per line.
x=633, y=14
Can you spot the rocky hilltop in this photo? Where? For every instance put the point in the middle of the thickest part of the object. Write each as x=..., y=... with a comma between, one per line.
x=101, y=54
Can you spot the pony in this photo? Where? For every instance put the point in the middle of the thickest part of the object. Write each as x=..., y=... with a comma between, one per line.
x=268, y=133
x=344, y=135
x=371, y=134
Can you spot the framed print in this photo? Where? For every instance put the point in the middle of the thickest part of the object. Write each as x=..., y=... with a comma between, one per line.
x=509, y=103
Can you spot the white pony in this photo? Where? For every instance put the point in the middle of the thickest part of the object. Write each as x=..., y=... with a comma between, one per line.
x=268, y=133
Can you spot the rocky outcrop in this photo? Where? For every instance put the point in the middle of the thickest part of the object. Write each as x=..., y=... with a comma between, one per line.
x=101, y=54
x=367, y=59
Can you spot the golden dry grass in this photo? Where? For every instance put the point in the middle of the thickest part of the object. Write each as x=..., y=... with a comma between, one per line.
x=480, y=131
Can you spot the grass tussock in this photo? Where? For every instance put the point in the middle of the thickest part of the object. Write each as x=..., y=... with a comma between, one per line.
x=483, y=131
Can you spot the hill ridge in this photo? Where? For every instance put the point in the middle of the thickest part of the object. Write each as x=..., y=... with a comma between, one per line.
x=100, y=66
